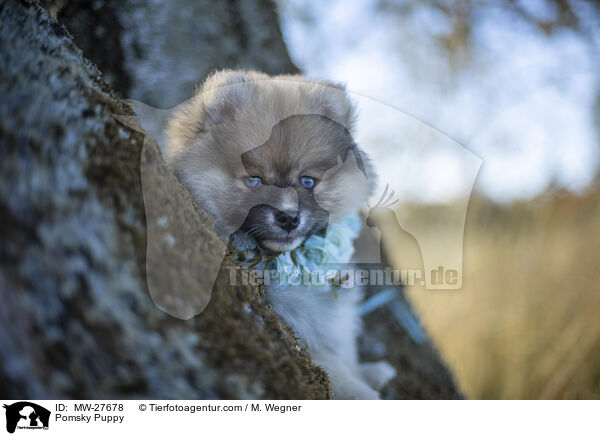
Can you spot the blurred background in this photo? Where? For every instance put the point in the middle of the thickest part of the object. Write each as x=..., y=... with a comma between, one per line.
x=515, y=84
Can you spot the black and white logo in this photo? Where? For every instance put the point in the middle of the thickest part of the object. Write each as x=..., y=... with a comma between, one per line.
x=26, y=415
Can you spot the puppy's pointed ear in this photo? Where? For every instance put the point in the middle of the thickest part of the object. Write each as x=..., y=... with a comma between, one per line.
x=333, y=102
x=223, y=95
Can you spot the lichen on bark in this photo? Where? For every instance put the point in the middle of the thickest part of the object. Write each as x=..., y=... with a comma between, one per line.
x=77, y=320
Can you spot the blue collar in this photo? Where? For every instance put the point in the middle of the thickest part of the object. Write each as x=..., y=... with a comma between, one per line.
x=336, y=247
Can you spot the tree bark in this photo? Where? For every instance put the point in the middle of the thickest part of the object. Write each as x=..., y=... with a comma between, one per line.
x=157, y=51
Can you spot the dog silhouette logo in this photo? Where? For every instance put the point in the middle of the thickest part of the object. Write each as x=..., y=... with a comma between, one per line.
x=26, y=415
x=240, y=222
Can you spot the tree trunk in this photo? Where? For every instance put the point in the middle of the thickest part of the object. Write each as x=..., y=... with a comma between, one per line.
x=158, y=51
x=76, y=319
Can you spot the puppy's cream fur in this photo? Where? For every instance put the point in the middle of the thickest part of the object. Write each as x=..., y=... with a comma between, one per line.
x=281, y=128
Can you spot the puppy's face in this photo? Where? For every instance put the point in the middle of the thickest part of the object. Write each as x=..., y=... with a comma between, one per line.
x=305, y=174
x=280, y=191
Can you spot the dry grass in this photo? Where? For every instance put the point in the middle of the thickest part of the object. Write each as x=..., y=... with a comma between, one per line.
x=526, y=323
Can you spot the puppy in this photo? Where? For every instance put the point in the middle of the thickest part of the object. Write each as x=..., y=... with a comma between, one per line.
x=272, y=160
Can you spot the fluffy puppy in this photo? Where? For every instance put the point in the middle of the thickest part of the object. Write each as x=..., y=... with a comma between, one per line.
x=273, y=158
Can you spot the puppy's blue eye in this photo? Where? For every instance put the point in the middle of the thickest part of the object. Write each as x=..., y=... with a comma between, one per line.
x=308, y=182
x=253, y=181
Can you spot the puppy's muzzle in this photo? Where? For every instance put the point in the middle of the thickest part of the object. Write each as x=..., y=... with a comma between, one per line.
x=287, y=222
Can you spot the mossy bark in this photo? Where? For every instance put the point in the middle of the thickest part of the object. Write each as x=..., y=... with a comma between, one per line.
x=76, y=317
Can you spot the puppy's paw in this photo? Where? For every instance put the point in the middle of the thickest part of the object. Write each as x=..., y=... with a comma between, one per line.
x=377, y=374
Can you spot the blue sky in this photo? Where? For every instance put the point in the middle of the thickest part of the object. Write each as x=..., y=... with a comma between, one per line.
x=523, y=104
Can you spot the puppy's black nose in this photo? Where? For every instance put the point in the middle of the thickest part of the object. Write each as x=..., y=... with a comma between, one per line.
x=287, y=222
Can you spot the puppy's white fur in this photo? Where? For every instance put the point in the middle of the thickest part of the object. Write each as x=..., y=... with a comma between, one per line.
x=329, y=327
